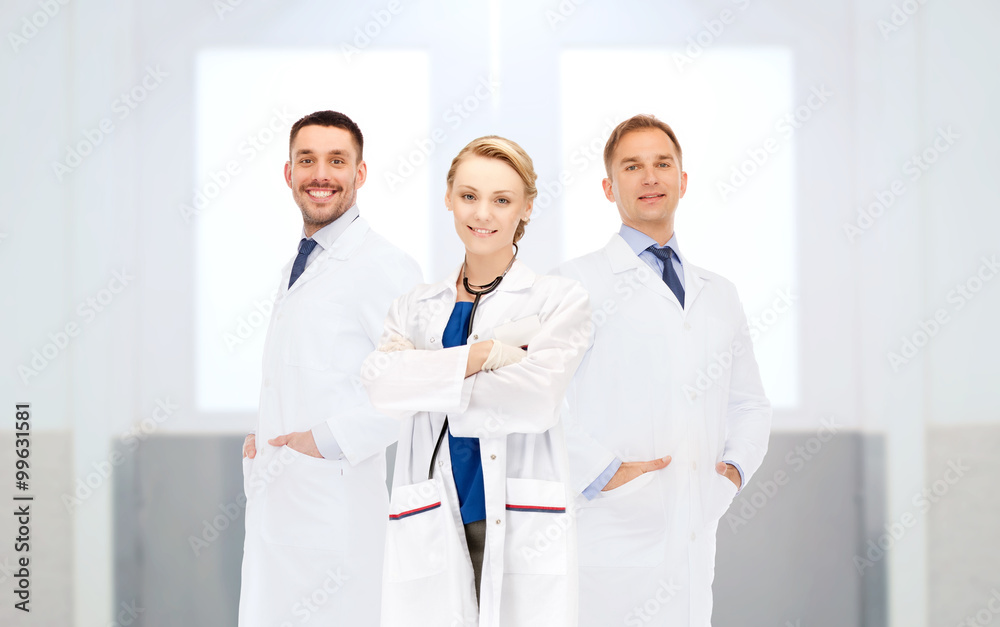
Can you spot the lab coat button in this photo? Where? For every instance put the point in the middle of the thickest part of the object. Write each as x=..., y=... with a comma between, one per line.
x=692, y=537
x=687, y=326
x=433, y=339
x=441, y=463
x=498, y=521
x=475, y=337
x=493, y=456
x=694, y=465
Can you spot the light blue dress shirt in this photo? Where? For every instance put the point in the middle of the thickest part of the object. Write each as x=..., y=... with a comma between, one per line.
x=639, y=242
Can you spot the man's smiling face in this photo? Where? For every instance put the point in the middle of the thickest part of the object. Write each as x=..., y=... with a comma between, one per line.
x=324, y=174
x=646, y=180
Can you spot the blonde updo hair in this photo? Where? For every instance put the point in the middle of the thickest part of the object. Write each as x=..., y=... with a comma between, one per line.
x=508, y=151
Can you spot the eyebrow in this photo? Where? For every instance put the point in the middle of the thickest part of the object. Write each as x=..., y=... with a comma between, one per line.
x=465, y=186
x=637, y=159
x=310, y=151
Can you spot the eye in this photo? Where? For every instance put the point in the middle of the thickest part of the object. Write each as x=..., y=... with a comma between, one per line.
x=631, y=167
x=664, y=165
x=503, y=201
x=305, y=161
x=337, y=161
x=468, y=197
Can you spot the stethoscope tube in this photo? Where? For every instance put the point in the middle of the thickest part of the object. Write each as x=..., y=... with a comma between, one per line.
x=478, y=291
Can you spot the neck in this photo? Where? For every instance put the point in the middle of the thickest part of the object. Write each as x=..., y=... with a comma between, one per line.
x=659, y=232
x=480, y=270
x=311, y=228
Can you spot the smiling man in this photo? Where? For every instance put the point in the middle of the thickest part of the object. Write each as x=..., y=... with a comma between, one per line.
x=314, y=471
x=658, y=449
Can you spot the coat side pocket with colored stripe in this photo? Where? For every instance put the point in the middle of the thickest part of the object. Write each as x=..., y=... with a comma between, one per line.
x=415, y=536
x=537, y=527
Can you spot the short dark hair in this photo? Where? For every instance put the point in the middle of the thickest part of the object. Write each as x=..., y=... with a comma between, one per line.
x=330, y=118
x=636, y=123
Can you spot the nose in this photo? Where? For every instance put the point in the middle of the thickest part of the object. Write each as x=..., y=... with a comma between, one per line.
x=322, y=171
x=648, y=176
x=482, y=211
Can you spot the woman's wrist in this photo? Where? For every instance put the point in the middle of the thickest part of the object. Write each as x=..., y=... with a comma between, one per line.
x=478, y=353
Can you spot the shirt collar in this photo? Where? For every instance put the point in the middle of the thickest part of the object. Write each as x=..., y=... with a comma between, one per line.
x=639, y=241
x=327, y=235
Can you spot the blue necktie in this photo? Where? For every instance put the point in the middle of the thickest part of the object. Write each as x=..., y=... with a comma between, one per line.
x=669, y=274
x=305, y=247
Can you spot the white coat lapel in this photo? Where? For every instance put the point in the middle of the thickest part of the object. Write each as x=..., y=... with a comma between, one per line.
x=286, y=274
x=436, y=302
x=312, y=270
x=519, y=277
x=694, y=281
x=624, y=259
x=342, y=249
x=432, y=290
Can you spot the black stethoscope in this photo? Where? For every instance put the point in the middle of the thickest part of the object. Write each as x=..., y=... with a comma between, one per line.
x=478, y=291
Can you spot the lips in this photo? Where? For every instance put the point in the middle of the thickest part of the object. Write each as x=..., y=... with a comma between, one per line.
x=320, y=194
x=651, y=196
x=478, y=232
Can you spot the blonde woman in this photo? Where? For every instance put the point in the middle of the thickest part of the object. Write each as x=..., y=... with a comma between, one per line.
x=475, y=367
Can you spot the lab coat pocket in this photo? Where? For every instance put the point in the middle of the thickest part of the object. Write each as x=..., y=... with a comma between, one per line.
x=625, y=527
x=722, y=497
x=416, y=535
x=627, y=488
x=519, y=332
x=306, y=502
x=537, y=527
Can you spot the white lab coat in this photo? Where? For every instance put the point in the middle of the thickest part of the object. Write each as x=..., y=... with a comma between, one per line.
x=529, y=566
x=659, y=380
x=315, y=527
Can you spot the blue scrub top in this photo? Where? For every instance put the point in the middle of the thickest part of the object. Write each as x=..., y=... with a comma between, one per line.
x=467, y=466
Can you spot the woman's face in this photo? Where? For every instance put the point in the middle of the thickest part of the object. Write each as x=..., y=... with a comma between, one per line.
x=488, y=200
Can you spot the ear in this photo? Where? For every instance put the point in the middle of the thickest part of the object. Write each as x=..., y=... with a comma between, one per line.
x=362, y=175
x=447, y=199
x=609, y=190
x=288, y=173
x=684, y=184
x=527, y=210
